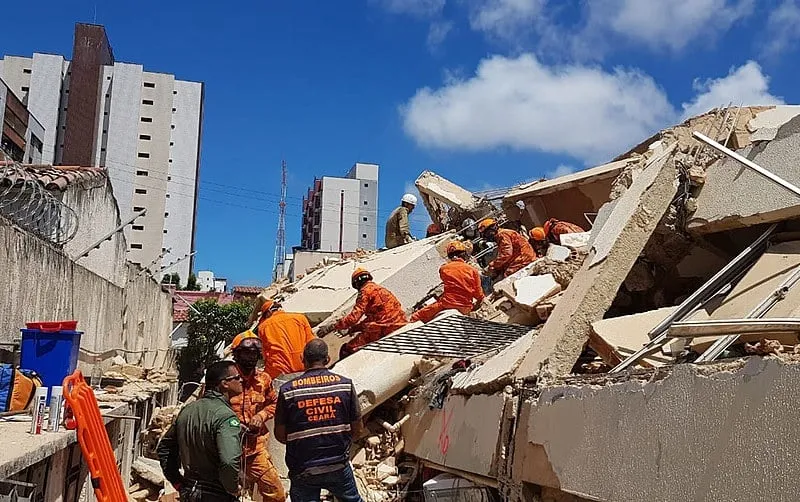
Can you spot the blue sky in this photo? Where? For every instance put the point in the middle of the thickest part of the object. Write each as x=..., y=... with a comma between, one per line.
x=488, y=93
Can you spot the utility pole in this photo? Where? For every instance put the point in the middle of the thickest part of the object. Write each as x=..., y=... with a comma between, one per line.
x=280, y=238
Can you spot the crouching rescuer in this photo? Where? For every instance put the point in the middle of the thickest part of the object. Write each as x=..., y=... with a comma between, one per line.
x=462, y=286
x=254, y=407
x=381, y=311
x=317, y=417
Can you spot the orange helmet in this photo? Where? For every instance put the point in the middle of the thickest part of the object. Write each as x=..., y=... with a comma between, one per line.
x=251, y=339
x=360, y=275
x=267, y=306
x=455, y=247
x=488, y=222
x=538, y=234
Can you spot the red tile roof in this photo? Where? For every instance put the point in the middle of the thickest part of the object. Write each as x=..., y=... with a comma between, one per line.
x=51, y=177
x=247, y=290
x=182, y=299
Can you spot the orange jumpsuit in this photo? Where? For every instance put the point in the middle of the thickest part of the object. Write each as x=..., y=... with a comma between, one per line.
x=258, y=398
x=558, y=228
x=513, y=252
x=462, y=284
x=283, y=336
x=382, y=313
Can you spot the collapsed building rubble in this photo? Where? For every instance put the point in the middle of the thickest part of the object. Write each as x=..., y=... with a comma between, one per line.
x=556, y=407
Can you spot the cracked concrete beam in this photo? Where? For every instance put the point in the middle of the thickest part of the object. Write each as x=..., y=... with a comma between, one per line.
x=704, y=433
x=592, y=290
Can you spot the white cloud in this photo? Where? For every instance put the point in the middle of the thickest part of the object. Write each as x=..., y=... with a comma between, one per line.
x=437, y=32
x=420, y=8
x=745, y=85
x=518, y=102
x=579, y=110
x=783, y=28
x=505, y=19
x=561, y=170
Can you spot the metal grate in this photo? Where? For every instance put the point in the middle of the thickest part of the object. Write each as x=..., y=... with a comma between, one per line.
x=454, y=336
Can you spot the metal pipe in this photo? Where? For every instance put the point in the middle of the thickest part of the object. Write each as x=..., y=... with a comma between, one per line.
x=720, y=327
x=747, y=162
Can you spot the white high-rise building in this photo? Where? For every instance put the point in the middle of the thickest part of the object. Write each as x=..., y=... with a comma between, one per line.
x=144, y=127
x=341, y=214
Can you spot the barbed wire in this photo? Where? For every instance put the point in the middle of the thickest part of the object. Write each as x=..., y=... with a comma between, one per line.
x=27, y=203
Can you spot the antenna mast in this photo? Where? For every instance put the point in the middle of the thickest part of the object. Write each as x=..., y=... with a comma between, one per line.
x=280, y=238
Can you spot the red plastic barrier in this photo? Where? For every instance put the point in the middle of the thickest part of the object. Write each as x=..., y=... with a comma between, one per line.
x=93, y=438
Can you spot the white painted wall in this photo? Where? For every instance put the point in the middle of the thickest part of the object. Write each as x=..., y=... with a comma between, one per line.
x=205, y=279
x=333, y=218
x=44, y=100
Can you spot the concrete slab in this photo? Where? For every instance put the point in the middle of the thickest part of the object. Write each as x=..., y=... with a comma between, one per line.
x=735, y=196
x=462, y=435
x=405, y=271
x=690, y=433
x=619, y=337
x=558, y=253
x=600, y=220
x=576, y=240
x=774, y=267
x=495, y=373
x=506, y=285
x=531, y=290
x=592, y=290
x=764, y=126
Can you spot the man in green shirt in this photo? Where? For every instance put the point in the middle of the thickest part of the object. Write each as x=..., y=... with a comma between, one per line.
x=205, y=441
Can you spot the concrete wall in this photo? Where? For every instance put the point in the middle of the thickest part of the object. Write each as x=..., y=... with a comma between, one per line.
x=42, y=283
x=304, y=260
x=332, y=212
x=367, y=174
x=703, y=433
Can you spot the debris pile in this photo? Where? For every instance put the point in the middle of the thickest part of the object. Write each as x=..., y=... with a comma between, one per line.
x=160, y=422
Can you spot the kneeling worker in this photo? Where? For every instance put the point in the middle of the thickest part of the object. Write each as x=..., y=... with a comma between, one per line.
x=462, y=285
x=513, y=250
x=551, y=232
x=381, y=310
x=254, y=407
x=316, y=418
x=204, y=441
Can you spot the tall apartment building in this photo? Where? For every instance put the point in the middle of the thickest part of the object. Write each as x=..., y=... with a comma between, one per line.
x=21, y=134
x=341, y=214
x=144, y=127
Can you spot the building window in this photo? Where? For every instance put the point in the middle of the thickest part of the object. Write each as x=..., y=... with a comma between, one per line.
x=107, y=77
x=105, y=113
x=173, y=126
x=174, y=92
x=141, y=191
x=165, y=230
x=136, y=246
x=144, y=155
x=363, y=236
x=366, y=185
x=174, y=110
x=147, y=101
x=171, y=143
x=169, y=178
x=138, y=227
x=108, y=95
x=170, y=161
x=138, y=209
x=147, y=119
x=168, y=196
x=142, y=173
x=102, y=149
x=365, y=218
x=26, y=89
x=166, y=214
x=27, y=71
x=145, y=137
x=366, y=203
x=150, y=85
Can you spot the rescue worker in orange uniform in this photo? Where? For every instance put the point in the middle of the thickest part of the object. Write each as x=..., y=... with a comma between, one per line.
x=283, y=335
x=513, y=250
x=553, y=229
x=381, y=310
x=462, y=286
x=254, y=407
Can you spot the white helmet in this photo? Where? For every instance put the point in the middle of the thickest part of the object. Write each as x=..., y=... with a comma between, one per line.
x=409, y=199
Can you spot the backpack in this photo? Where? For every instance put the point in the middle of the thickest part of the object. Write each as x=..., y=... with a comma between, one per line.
x=17, y=388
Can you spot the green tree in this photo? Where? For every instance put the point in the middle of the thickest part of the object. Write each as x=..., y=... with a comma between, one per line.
x=209, y=324
x=173, y=278
x=167, y=279
x=191, y=283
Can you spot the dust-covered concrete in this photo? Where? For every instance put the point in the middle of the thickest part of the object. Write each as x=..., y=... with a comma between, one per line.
x=705, y=433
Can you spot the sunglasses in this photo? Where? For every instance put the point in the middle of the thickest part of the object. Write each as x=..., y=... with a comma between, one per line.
x=234, y=378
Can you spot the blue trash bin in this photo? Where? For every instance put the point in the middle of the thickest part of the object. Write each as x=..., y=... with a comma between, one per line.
x=52, y=355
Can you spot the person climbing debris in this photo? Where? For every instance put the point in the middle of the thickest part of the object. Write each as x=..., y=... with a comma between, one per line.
x=513, y=250
x=398, y=231
x=283, y=336
x=254, y=407
x=381, y=311
x=462, y=286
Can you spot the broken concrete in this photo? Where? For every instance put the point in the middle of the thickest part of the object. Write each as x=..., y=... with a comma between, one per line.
x=594, y=287
x=447, y=203
x=559, y=253
x=735, y=196
x=577, y=240
x=405, y=271
x=496, y=372
x=690, y=434
x=765, y=125
x=532, y=290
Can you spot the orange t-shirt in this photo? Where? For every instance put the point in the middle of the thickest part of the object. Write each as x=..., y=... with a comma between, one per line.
x=283, y=336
